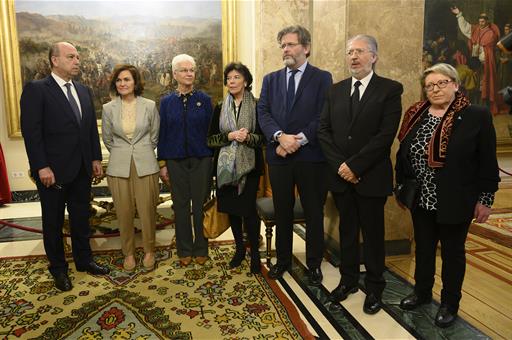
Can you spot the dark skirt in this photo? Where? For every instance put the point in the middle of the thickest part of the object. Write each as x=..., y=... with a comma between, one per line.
x=228, y=200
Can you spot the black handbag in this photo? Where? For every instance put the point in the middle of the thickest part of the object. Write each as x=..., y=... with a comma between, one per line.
x=407, y=192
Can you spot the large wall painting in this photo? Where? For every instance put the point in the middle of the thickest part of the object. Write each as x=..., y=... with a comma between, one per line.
x=147, y=34
x=464, y=34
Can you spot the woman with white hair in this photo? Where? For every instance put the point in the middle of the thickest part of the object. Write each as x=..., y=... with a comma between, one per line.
x=447, y=168
x=185, y=159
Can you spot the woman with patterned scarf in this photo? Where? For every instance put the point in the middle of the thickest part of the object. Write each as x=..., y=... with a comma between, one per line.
x=448, y=146
x=236, y=137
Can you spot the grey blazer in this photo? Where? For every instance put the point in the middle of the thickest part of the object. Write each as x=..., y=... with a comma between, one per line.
x=142, y=145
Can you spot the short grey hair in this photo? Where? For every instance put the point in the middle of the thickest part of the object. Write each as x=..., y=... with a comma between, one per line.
x=181, y=58
x=444, y=69
x=303, y=35
x=371, y=41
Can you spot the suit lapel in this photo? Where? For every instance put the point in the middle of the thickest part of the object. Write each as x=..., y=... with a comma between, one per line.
x=84, y=97
x=372, y=85
x=304, y=80
x=117, y=108
x=139, y=119
x=283, y=86
x=56, y=91
x=344, y=97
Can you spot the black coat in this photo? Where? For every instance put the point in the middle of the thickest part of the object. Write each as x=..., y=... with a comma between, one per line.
x=471, y=166
x=364, y=142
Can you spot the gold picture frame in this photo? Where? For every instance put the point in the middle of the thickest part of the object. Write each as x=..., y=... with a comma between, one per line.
x=10, y=60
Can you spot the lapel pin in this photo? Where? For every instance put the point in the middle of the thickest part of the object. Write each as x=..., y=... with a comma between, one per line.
x=198, y=104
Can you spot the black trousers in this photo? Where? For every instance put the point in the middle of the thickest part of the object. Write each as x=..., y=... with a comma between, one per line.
x=75, y=196
x=190, y=182
x=252, y=227
x=427, y=233
x=311, y=186
x=365, y=214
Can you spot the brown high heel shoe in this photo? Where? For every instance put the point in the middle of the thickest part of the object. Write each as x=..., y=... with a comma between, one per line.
x=185, y=261
x=201, y=260
x=129, y=263
x=149, y=261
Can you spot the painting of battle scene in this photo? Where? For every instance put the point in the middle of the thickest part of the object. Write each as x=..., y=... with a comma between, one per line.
x=464, y=34
x=147, y=34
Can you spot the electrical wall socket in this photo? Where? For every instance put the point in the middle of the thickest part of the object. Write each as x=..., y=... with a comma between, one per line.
x=17, y=174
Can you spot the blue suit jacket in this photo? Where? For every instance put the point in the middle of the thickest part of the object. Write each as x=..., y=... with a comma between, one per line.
x=303, y=116
x=53, y=137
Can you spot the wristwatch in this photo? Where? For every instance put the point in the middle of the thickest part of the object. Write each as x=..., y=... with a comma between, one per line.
x=277, y=135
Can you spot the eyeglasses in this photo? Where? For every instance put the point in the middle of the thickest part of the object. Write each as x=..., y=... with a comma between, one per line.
x=290, y=45
x=356, y=51
x=187, y=70
x=236, y=77
x=441, y=84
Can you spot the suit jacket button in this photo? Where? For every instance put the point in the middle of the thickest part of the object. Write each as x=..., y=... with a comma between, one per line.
x=349, y=137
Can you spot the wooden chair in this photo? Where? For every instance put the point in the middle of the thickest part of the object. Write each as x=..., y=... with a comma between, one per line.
x=265, y=209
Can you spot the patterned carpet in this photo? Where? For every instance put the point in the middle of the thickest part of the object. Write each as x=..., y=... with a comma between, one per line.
x=498, y=227
x=199, y=302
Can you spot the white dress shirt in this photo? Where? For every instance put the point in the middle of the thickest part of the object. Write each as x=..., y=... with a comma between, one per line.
x=62, y=84
x=364, y=84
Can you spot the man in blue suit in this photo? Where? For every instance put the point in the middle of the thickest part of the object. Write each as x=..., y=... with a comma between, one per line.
x=288, y=112
x=58, y=124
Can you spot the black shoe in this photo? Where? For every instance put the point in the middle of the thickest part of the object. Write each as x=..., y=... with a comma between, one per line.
x=412, y=301
x=237, y=259
x=94, y=269
x=256, y=266
x=372, y=304
x=255, y=261
x=445, y=316
x=62, y=282
x=341, y=292
x=277, y=271
x=315, y=276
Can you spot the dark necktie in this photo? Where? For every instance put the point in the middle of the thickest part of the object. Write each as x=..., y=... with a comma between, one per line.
x=290, y=93
x=355, y=100
x=73, y=103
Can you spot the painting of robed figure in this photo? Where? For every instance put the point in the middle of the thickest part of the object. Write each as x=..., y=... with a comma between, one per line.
x=464, y=33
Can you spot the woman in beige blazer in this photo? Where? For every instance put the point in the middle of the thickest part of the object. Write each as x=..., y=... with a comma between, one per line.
x=130, y=127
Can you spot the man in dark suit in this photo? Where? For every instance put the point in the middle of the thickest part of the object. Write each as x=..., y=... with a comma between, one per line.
x=58, y=124
x=288, y=112
x=357, y=127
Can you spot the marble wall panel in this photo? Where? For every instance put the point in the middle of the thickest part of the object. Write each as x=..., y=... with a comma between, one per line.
x=329, y=32
x=272, y=16
x=398, y=27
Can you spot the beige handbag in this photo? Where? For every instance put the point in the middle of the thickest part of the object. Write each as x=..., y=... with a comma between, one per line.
x=214, y=222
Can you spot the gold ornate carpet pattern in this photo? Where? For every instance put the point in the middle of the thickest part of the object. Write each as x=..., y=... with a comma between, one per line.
x=498, y=227
x=171, y=302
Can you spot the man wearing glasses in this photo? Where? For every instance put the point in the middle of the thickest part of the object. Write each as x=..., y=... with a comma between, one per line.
x=288, y=112
x=357, y=127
